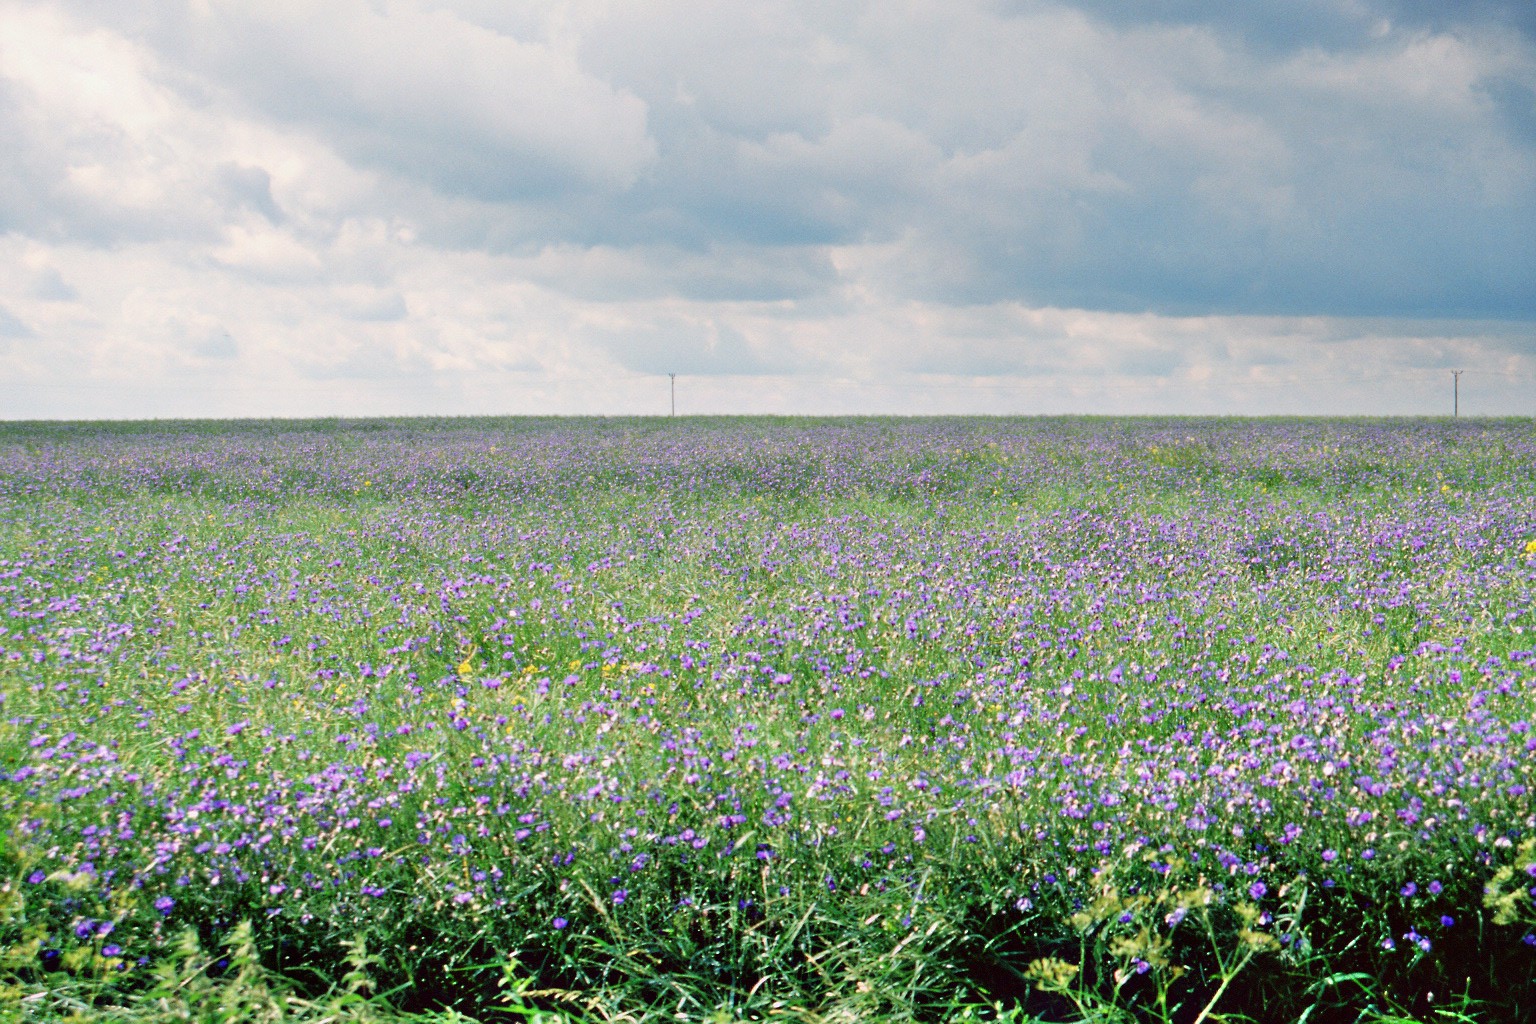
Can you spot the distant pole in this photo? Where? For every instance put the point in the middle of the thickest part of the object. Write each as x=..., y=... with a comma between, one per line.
x=674, y=394
x=1456, y=393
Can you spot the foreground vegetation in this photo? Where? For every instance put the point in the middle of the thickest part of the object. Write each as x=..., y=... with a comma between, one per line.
x=1058, y=720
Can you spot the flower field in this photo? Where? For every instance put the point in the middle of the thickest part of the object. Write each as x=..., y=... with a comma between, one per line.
x=823, y=719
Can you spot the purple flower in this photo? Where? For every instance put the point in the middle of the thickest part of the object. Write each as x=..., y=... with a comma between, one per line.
x=1446, y=920
x=560, y=924
x=619, y=896
x=111, y=949
x=164, y=904
x=1258, y=890
x=38, y=877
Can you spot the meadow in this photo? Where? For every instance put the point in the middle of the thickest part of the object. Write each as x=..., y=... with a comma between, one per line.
x=743, y=719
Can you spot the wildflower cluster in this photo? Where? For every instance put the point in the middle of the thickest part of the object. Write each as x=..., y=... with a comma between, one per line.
x=1128, y=708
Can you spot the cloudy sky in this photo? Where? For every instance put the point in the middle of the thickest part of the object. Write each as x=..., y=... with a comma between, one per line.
x=353, y=207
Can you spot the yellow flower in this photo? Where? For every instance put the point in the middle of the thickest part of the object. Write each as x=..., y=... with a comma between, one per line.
x=1530, y=546
x=1445, y=488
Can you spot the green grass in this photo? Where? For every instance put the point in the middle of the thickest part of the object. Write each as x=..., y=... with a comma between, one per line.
x=1077, y=653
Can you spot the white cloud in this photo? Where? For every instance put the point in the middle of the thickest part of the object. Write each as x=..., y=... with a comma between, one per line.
x=450, y=204
x=423, y=92
x=11, y=326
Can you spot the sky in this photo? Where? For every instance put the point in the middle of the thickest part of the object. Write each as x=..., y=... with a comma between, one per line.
x=215, y=208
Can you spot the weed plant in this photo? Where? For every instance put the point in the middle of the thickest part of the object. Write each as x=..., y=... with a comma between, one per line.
x=832, y=720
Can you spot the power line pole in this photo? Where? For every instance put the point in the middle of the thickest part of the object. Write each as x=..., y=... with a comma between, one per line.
x=1456, y=393
x=674, y=394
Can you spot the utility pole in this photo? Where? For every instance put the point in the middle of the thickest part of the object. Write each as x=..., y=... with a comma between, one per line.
x=674, y=394
x=1456, y=393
